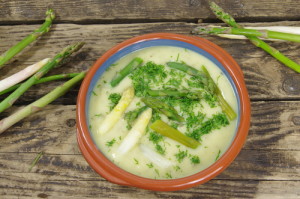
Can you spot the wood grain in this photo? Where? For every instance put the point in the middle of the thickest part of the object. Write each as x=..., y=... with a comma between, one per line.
x=272, y=82
x=274, y=125
x=268, y=166
x=104, y=11
x=27, y=188
x=270, y=157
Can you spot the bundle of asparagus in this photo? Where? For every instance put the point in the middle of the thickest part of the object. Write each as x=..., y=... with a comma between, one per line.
x=252, y=35
x=33, y=75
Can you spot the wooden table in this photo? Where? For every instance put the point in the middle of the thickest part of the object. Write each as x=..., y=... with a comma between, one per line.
x=268, y=165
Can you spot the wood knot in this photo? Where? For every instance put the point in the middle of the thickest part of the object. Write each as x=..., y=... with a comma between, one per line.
x=291, y=85
x=194, y=3
x=42, y=195
x=71, y=122
x=296, y=120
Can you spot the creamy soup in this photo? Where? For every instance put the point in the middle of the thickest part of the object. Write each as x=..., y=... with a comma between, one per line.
x=203, y=118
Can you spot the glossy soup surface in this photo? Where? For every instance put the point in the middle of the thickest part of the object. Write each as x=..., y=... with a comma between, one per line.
x=185, y=161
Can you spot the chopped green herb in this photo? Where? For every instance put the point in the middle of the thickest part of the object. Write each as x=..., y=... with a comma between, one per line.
x=155, y=137
x=35, y=161
x=136, y=161
x=168, y=175
x=181, y=155
x=150, y=165
x=196, y=82
x=155, y=116
x=177, y=58
x=218, y=155
x=156, y=171
x=195, y=159
x=174, y=82
x=90, y=126
x=94, y=93
x=216, y=122
x=219, y=76
x=145, y=76
x=174, y=125
x=114, y=99
x=194, y=120
x=177, y=168
x=159, y=149
x=98, y=115
x=210, y=99
x=111, y=143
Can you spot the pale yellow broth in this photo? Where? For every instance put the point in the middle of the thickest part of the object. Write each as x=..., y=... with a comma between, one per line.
x=212, y=144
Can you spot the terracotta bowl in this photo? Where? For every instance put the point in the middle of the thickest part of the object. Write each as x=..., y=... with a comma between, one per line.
x=113, y=173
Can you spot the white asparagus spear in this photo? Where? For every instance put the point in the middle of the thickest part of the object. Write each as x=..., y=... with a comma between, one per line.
x=135, y=133
x=21, y=75
x=155, y=157
x=285, y=29
x=111, y=119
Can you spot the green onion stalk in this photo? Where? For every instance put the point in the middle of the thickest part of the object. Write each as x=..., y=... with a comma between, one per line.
x=44, y=28
x=225, y=17
x=40, y=103
x=60, y=57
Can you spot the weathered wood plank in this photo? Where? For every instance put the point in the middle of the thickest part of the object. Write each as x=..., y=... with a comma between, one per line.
x=271, y=152
x=266, y=78
x=251, y=164
x=14, y=186
x=275, y=125
x=158, y=10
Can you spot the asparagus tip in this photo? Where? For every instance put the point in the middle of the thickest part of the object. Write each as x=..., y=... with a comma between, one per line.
x=50, y=14
x=73, y=48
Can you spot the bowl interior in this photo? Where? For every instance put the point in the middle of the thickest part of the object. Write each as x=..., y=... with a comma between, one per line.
x=201, y=46
x=156, y=42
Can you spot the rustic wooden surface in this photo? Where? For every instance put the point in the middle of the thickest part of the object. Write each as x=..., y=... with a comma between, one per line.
x=268, y=165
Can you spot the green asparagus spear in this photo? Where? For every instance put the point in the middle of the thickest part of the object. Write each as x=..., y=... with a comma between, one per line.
x=126, y=70
x=224, y=105
x=210, y=85
x=7, y=102
x=42, y=80
x=131, y=116
x=40, y=103
x=185, y=68
x=6, y=56
x=219, y=12
x=268, y=34
x=174, y=93
x=168, y=131
x=163, y=108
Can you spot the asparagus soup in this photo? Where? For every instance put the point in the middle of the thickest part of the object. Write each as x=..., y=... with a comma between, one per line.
x=163, y=112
